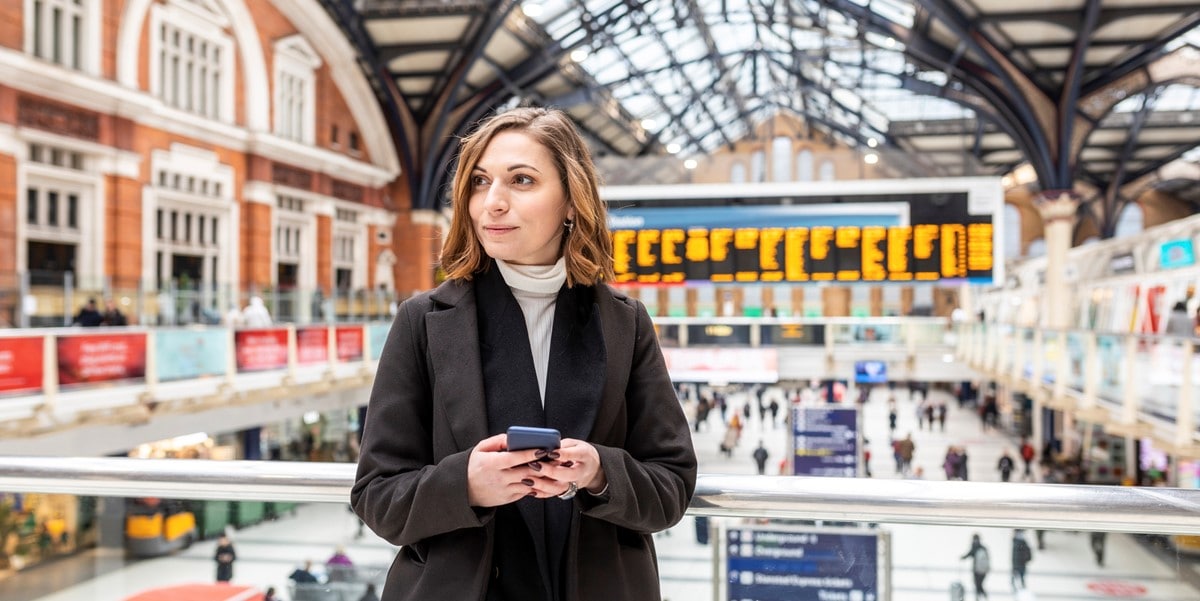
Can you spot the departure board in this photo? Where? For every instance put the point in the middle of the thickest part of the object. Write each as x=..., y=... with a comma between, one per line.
x=825, y=253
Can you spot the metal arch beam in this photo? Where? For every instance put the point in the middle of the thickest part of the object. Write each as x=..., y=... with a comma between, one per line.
x=1111, y=189
x=1069, y=17
x=1022, y=125
x=442, y=106
x=1068, y=104
x=1142, y=57
x=884, y=137
x=1019, y=103
x=400, y=120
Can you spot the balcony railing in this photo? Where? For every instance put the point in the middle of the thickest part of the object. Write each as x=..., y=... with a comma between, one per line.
x=982, y=504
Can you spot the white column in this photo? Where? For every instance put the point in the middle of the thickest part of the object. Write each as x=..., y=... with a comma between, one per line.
x=1184, y=419
x=1058, y=216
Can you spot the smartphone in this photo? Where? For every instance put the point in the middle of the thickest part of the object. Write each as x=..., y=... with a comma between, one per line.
x=522, y=437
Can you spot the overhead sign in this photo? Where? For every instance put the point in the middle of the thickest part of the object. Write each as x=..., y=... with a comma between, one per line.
x=1176, y=253
x=766, y=563
x=825, y=440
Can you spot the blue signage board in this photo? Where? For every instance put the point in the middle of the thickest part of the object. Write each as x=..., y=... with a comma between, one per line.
x=1176, y=253
x=377, y=335
x=779, y=564
x=185, y=354
x=825, y=441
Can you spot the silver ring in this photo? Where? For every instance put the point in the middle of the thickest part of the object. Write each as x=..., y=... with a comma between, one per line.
x=569, y=494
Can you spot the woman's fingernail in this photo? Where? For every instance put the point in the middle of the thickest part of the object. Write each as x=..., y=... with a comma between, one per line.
x=540, y=453
x=568, y=463
x=552, y=455
x=531, y=494
x=535, y=466
x=527, y=482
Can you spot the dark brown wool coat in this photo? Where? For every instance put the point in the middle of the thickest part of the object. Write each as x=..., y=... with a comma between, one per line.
x=427, y=411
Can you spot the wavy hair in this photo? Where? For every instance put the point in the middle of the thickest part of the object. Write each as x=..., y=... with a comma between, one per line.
x=587, y=248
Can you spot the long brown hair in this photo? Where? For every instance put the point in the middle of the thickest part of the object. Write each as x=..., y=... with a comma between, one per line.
x=587, y=247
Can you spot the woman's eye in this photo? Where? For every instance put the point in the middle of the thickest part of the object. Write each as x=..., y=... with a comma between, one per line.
x=523, y=180
x=478, y=180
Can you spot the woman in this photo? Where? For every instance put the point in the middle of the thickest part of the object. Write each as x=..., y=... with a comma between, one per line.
x=524, y=333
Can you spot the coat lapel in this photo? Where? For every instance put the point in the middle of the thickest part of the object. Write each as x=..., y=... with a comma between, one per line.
x=453, y=342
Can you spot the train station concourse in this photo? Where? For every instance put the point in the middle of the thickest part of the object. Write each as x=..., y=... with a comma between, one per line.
x=922, y=275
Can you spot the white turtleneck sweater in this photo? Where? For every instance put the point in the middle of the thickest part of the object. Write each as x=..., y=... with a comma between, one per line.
x=536, y=290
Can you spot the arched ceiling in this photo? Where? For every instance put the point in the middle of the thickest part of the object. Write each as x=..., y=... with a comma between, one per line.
x=960, y=87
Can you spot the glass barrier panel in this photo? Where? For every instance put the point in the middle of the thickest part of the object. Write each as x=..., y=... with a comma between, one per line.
x=1110, y=349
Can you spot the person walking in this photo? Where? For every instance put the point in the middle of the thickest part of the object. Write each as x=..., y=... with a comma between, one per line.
x=224, y=557
x=980, y=565
x=891, y=413
x=906, y=447
x=1005, y=466
x=760, y=458
x=1021, y=554
x=941, y=416
x=1027, y=454
x=1097, y=539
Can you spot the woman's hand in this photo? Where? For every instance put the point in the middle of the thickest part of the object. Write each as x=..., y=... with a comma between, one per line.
x=577, y=461
x=497, y=477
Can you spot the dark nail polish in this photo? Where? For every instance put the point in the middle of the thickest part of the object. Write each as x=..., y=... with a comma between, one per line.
x=531, y=494
x=540, y=453
x=535, y=466
x=527, y=482
x=552, y=455
x=568, y=463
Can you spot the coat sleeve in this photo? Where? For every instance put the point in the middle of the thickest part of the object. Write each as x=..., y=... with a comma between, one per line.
x=651, y=478
x=400, y=491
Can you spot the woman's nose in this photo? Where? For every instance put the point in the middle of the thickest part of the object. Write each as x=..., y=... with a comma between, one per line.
x=496, y=199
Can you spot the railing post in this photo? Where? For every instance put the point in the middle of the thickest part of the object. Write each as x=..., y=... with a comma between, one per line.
x=1091, y=372
x=49, y=373
x=26, y=303
x=331, y=346
x=230, y=357
x=151, y=366
x=1035, y=374
x=293, y=354
x=1129, y=403
x=1060, y=370
x=1184, y=419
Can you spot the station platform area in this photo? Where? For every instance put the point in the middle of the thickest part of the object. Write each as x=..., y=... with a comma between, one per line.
x=924, y=560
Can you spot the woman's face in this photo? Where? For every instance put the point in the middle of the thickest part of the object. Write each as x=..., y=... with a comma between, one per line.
x=517, y=201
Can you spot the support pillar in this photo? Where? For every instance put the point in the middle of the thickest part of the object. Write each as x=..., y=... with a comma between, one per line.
x=1058, y=209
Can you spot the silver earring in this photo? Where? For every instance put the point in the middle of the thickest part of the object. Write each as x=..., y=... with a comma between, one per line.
x=570, y=225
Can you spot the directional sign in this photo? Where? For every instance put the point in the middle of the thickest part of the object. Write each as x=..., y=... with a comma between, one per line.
x=791, y=564
x=825, y=440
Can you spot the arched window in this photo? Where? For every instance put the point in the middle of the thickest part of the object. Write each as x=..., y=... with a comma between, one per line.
x=781, y=159
x=827, y=173
x=1012, y=232
x=758, y=166
x=804, y=166
x=1130, y=221
x=737, y=173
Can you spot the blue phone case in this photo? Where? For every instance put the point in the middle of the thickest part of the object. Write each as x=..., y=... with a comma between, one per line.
x=524, y=437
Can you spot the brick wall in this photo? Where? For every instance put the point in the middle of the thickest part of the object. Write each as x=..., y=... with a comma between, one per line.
x=324, y=253
x=417, y=246
x=123, y=231
x=12, y=24
x=256, y=246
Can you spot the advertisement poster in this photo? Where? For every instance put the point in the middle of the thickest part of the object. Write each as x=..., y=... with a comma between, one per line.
x=723, y=365
x=188, y=354
x=261, y=350
x=825, y=441
x=312, y=345
x=21, y=366
x=101, y=358
x=349, y=343
x=790, y=564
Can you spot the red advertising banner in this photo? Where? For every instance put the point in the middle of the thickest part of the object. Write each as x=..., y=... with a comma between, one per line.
x=21, y=367
x=312, y=345
x=261, y=350
x=101, y=358
x=350, y=343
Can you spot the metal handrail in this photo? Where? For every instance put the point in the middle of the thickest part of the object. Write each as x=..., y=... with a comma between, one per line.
x=1016, y=505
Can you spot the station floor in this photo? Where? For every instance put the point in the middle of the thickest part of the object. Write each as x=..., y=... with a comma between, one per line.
x=925, y=560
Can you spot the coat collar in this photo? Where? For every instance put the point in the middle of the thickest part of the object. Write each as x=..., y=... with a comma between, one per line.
x=453, y=343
